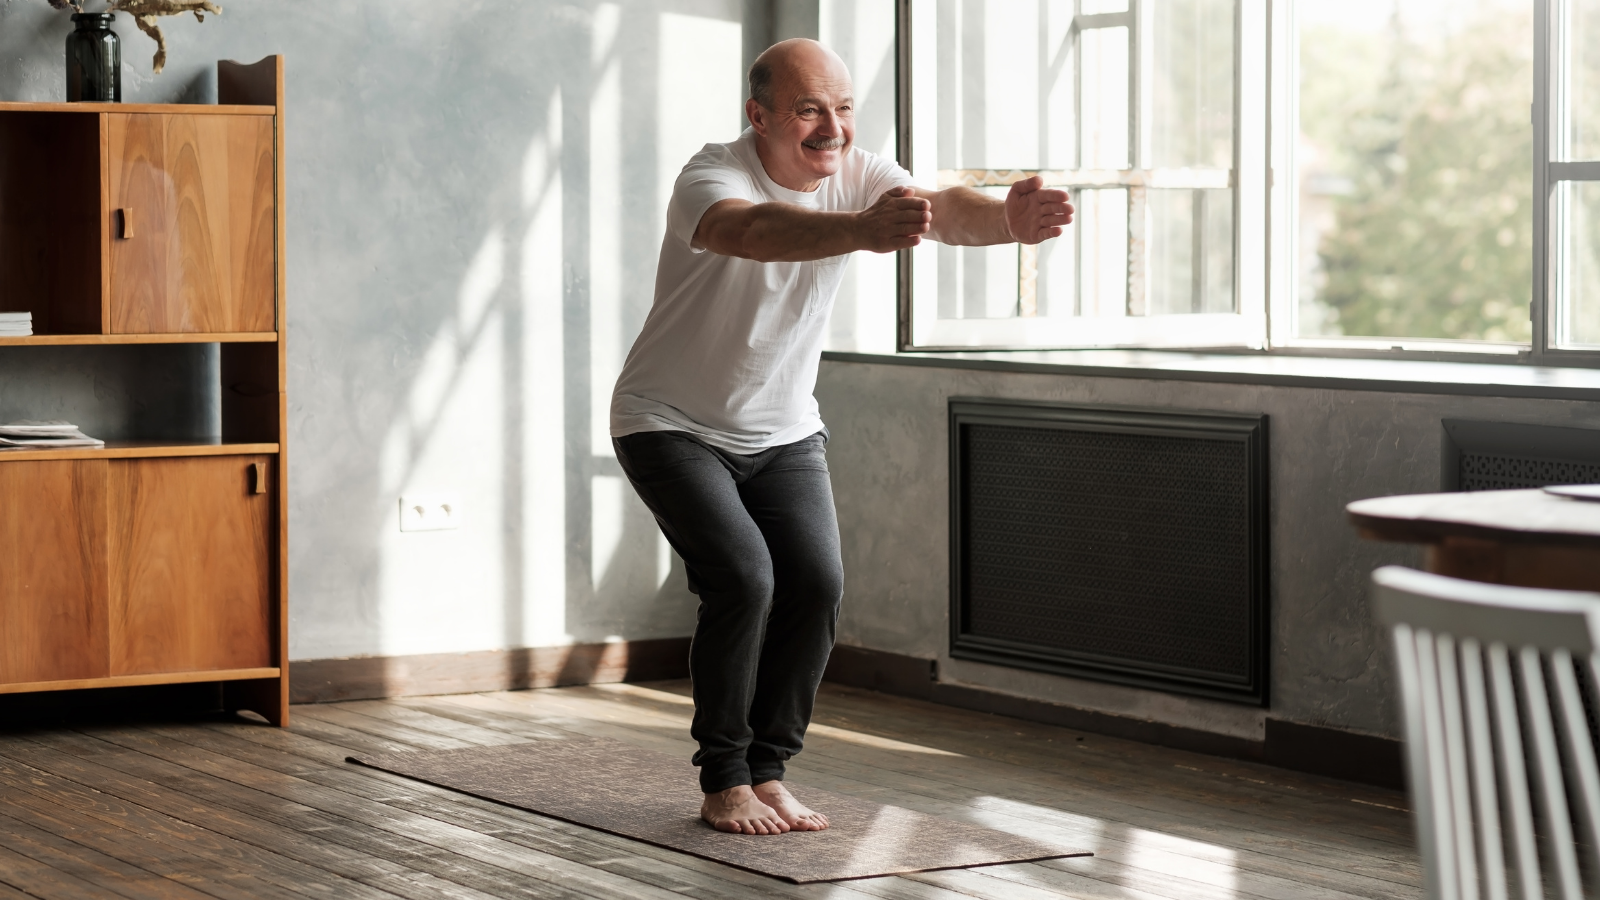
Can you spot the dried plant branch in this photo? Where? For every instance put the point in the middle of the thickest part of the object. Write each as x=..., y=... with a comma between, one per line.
x=145, y=13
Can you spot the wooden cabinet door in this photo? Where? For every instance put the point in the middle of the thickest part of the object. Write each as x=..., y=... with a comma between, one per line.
x=52, y=570
x=190, y=544
x=191, y=223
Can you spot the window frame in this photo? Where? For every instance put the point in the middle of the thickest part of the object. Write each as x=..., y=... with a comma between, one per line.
x=1265, y=221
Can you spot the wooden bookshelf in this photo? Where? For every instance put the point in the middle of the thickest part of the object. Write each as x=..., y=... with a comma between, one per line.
x=157, y=561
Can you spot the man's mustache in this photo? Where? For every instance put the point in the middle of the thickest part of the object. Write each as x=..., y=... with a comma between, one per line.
x=829, y=144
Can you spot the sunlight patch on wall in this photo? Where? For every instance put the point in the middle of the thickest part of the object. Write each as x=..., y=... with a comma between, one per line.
x=700, y=87
x=544, y=462
x=452, y=414
x=607, y=493
x=607, y=343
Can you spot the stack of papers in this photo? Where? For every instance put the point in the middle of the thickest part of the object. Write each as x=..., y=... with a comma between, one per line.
x=16, y=324
x=37, y=435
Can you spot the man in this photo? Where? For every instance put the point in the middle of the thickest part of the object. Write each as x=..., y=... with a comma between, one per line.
x=713, y=419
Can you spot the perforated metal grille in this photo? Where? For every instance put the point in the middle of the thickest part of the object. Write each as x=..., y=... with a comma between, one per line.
x=1121, y=547
x=1497, y=472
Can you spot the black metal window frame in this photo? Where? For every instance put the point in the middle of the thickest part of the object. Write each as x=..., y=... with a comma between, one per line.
x=1248, y=430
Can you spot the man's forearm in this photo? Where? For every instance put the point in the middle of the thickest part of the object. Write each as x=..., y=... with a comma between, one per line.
x=964, y=217
x=784, y=232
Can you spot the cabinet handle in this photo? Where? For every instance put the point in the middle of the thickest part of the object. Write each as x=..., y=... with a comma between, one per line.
x=258, y=478
x=125, y=223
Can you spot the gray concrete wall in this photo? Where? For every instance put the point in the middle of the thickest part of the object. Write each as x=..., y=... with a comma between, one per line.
x=475, y=200
x=1330, y=665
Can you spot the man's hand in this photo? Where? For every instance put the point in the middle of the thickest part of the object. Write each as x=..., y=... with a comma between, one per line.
x=896, y=222
x=1034, y=214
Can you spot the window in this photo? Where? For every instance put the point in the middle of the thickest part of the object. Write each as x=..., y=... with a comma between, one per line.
x=1574, y=173
x=1133, y=110
x=1413, y=162
x=1312, y=175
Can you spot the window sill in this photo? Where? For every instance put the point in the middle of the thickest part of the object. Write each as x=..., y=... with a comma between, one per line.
x=1354, y=374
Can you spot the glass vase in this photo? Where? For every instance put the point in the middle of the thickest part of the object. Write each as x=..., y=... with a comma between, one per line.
x=94, y=60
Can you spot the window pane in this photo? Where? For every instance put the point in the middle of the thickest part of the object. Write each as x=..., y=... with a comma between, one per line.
x=1105, y=98
x=863, y=34
x=1003, y=89
x=1191, y=251
x=1000, y=103
x=1414, y=159
x=1579, y=261
x=1192, y=93
x=1583, y=80
x=1103, y=236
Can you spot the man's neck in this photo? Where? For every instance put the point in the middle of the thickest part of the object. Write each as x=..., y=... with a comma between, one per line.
x=797, y=183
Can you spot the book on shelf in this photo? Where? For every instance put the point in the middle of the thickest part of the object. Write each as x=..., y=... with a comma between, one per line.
x=31, y=435
x=16, y=324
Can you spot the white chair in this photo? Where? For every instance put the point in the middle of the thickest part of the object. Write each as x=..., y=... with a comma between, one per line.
x=1473, y=662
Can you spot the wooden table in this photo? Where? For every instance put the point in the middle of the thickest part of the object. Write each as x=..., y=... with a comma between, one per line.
x=1526, y=538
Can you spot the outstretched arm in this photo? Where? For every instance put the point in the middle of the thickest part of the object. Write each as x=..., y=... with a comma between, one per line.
x=1030, y=214
x=784, y=232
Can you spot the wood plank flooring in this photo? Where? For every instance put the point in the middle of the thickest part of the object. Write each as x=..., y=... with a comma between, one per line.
x=221, y=807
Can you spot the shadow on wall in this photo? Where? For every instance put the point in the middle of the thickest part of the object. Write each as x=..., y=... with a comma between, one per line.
x=476, y=197
x=510, y=398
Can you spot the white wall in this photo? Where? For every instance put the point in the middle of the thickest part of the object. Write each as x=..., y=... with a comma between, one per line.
x=476, y=193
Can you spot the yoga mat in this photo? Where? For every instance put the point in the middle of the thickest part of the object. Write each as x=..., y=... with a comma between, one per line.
x=655, y=798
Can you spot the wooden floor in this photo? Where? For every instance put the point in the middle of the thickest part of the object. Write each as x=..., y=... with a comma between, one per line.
x=233, y=809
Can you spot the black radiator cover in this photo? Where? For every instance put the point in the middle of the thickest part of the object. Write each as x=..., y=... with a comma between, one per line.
x=1121, y=545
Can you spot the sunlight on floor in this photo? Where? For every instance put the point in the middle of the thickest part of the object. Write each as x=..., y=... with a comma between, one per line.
x=1143, y=856
x=858, y=738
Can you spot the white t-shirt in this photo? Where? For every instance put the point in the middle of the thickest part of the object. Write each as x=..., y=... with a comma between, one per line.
x=730, y=349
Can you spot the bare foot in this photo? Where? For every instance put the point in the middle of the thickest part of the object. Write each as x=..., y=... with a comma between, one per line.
x=738, y=811
x=791, y=811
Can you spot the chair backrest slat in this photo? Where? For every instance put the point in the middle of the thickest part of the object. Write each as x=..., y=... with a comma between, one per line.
x=1455, y=753
x=1552, y=793
x=1580, y=750
x=1445, y=871
x=1486, y=799
x=1514, y=773
x=1491, y=738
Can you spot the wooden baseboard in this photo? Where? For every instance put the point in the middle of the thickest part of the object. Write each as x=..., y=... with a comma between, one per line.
x=377, y=677
x=1313, y=749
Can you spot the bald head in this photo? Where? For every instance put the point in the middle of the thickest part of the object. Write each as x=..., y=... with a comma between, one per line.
x=802, y=112
x=789, y=61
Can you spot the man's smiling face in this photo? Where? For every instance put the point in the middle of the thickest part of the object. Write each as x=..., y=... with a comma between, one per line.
x=811, y=125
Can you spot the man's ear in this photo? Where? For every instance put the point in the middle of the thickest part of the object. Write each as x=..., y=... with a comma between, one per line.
x=756, y=115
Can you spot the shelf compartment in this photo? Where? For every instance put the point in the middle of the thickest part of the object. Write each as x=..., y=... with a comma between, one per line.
x=140, y=450
x=141, y=680
x=64, y=340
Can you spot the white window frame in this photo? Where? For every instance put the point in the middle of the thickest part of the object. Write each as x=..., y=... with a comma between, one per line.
x=920, y=327
x=1266, y=243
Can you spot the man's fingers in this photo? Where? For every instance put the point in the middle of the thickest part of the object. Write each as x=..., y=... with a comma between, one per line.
x=1027, y=185
x=1050, y=196
x=1052, y=221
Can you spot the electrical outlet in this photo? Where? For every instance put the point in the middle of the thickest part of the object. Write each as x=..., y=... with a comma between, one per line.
x=430, y=512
